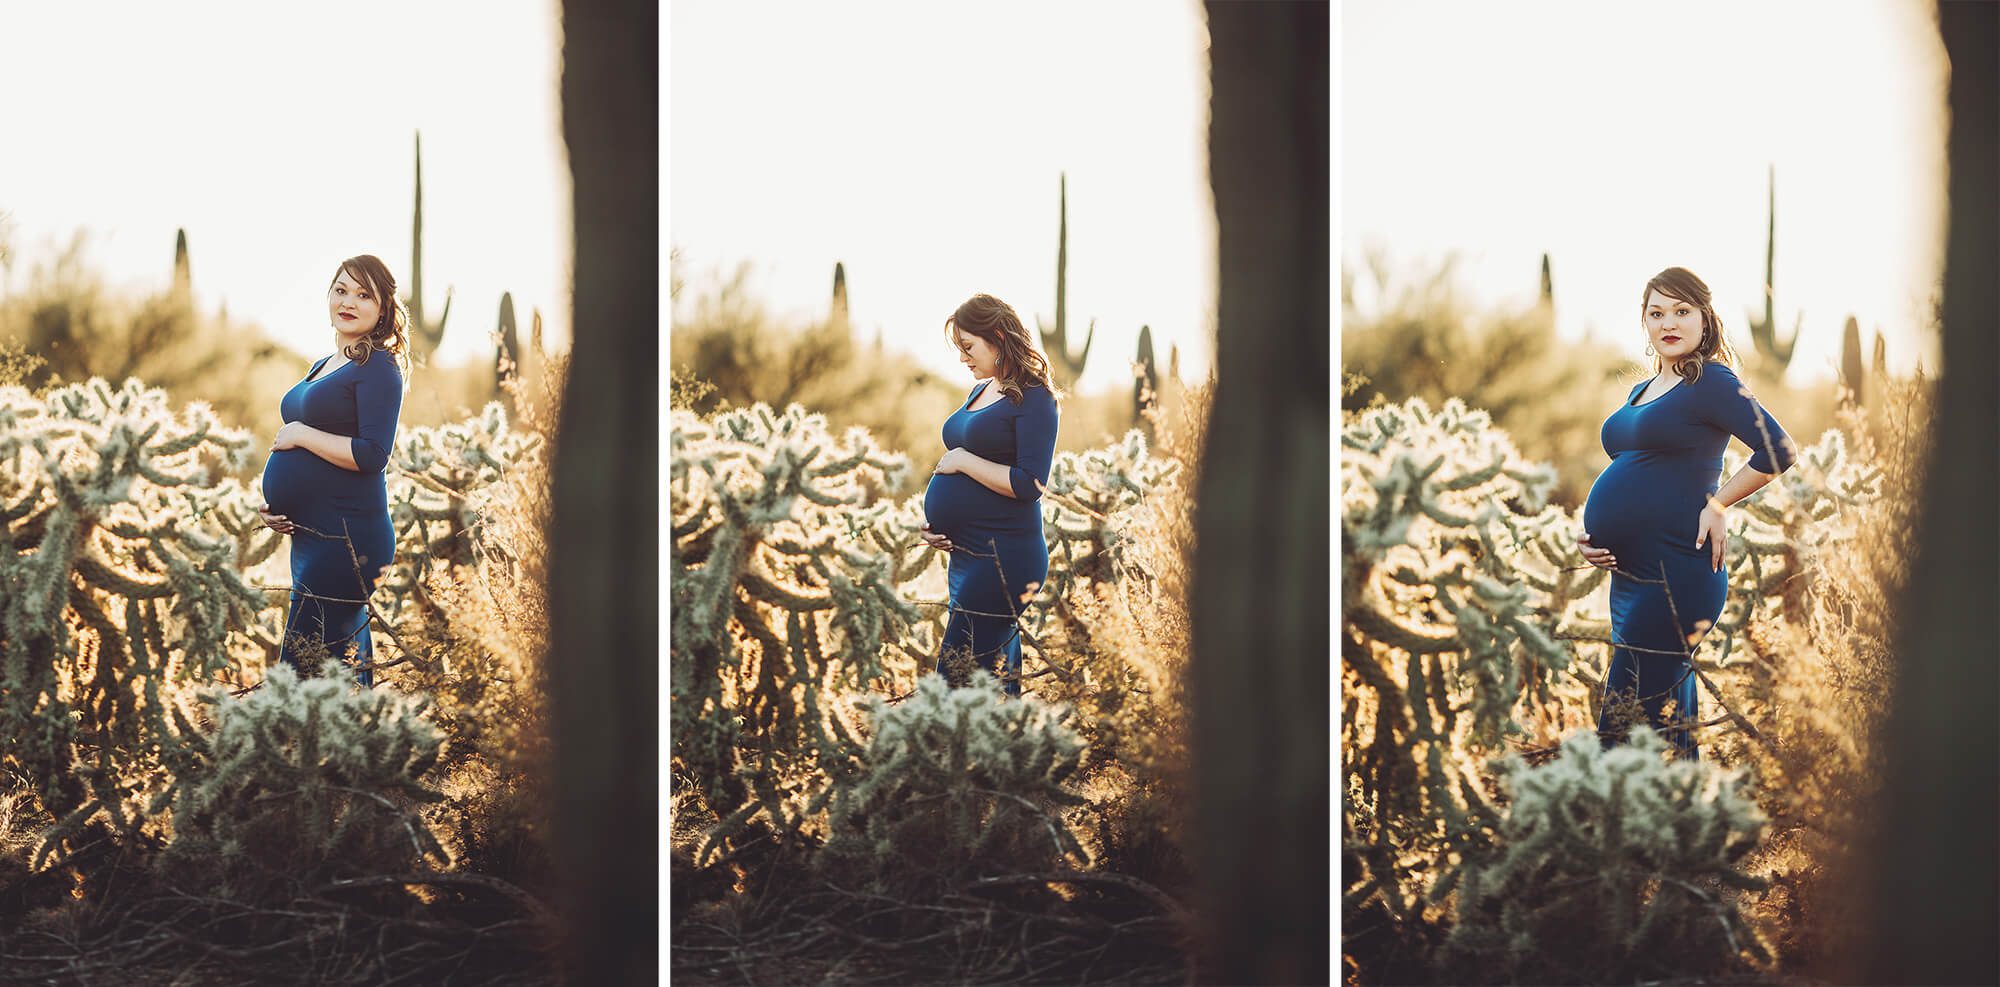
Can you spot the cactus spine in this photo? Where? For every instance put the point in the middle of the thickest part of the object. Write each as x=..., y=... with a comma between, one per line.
x=1068, y=370
x=424, y=335
x=1763, y=332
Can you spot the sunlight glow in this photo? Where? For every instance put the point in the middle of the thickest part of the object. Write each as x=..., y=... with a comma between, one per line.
x=920, y=144
x=1626, y=138
x=280, y=137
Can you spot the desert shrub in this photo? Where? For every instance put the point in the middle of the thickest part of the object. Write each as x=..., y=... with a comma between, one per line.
x=301, y=783
x=1610, y=867
x=955, y=783
x=484, y=633
x=1820, y=687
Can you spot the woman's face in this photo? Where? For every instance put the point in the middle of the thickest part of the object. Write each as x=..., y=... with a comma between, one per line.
x=1672, y=326
x=978, y=355
x=352, y=306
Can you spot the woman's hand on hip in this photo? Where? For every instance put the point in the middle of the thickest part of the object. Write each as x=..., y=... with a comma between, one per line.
x=935, y=540
x=276, y=522
x=1714, y=530
x=1599, y=557
x=288, y=436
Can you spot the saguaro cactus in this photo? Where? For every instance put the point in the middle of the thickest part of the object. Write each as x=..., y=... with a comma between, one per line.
x=1763, y=332
x=838, y=316
x=1850, y=361
x=183, y=276
x=1145, y=382
x=424, y=334
x=1068, y=370
x=507, y=343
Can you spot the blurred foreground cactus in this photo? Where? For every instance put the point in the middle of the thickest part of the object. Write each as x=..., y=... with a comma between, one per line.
x=955, y=784
x=1610, y=867
x=301, y=783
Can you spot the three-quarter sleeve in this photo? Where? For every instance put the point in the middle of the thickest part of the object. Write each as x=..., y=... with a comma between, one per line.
x=1034, y=443
x=1728, y=405
x=378, y=401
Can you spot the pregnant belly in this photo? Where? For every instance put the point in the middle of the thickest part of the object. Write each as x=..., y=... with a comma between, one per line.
x=1635, y=512
x=289, y=481
x=301, y=485
x=958, y=505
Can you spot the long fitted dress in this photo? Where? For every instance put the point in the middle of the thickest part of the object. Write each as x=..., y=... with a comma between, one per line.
x=991, y=532
x=1645, y=508
x=361, y=401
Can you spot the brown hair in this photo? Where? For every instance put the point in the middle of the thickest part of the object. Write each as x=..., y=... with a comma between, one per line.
x=1681, y=284
x=391, y=334
x=993, y=320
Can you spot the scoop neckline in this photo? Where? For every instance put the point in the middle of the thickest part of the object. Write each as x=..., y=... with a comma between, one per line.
x=1630, y=402
x=976, y=395
x=313, y=376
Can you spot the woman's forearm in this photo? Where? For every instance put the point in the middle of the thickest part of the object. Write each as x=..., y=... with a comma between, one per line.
x=996, y=477
x=1746, y=482
x=335, y=449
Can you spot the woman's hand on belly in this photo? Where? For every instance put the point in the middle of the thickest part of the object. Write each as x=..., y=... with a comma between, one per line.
x=940, y=542
x=276, y=522
x=1599, y=557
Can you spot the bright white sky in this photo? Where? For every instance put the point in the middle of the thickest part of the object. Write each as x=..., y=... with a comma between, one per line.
x=1627, y=138
x=920, y=144
x=280, y=136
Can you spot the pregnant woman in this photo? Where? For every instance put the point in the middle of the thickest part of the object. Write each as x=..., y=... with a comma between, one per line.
x=1655, y=517
x=324, y=484
x=984, y=500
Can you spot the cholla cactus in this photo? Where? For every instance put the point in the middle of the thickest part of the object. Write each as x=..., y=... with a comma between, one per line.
x=956, y=783
x=785, y=573
x=116, y=583
x=1082, y=516
x=1610, y=867
x=441, y=479
x=303, y=782
x=1778, y=529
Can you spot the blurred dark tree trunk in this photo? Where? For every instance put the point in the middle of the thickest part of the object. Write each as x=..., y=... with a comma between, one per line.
x=1935, y=859
x=1261, y=666
x=603, y=664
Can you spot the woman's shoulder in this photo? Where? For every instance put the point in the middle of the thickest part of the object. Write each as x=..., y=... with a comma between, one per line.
x=382, y=363
x=1719, y=377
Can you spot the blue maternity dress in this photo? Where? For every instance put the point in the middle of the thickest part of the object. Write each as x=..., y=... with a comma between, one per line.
x=361, y=401
x=982, y=523
x=1645, y=508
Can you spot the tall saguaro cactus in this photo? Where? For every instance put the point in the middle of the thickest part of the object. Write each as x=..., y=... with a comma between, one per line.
x=839, y=314
x=424, y=335
x=1764, y=332
x=1145, y=382
x=1068, y=369
x=507, y=355
x=1850, y=361
x=183, y=275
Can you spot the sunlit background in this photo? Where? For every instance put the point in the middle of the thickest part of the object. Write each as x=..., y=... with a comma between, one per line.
x=1625, y=138
x=280, y=136
x=921, y=145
